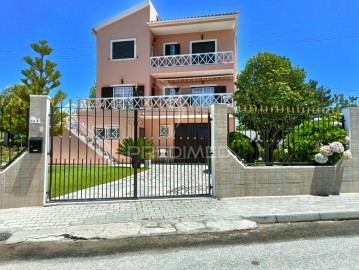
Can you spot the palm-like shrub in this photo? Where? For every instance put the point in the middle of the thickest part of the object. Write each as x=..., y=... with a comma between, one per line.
x=143, y=150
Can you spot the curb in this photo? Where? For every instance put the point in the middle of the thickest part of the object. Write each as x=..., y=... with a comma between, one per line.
x=304, y=217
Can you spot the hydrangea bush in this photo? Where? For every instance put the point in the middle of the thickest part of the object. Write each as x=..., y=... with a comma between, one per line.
x=333, y=152
x=321, y=140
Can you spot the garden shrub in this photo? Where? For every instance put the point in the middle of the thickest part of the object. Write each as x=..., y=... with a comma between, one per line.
x=314, y=140
x=244, y=147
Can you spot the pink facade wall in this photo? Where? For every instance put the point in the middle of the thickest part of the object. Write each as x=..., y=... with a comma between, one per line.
x=159, y=88
x=138, y=71
x=129, y=71
x=224, y=40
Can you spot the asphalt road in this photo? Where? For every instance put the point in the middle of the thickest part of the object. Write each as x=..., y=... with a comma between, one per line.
x=320, y=245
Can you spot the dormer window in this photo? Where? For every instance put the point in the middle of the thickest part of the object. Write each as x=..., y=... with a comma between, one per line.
x=123, y=49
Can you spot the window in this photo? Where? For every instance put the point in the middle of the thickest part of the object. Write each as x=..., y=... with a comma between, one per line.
x=164, y=131
x=107, y=133
x=124, y=95
x=123, y=49
x=123, y=91
x=172, y=98
x=171, y=91
x=204, y=50
x=203, y=99
x=171, y=49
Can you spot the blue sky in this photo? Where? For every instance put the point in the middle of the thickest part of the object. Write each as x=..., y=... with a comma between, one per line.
x=321, y=36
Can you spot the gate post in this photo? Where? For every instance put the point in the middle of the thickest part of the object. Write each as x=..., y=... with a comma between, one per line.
x=219, y=129
x=39, y=127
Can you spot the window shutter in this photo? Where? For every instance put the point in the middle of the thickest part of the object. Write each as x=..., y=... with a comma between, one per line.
x=107, y=92
x=177, y=48
x=167, y=49
x=123, y=49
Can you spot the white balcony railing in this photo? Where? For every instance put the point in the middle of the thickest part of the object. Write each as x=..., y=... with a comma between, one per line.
x=192, y=59
x=151, y=102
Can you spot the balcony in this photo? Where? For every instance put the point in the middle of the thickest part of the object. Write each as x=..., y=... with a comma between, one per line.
x=192, y=59
x=151, y=102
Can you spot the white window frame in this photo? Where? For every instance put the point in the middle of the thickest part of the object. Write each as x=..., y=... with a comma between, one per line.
x=123, y=101
x=166, y=134
x=122, y=87
x=124, y=39
x=164, y=47
x=202, y=99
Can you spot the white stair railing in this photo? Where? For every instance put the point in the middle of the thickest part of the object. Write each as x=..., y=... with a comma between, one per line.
x=89, y=138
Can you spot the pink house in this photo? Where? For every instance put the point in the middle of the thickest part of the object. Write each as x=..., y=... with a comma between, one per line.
x=154, y=65
x=165, y=57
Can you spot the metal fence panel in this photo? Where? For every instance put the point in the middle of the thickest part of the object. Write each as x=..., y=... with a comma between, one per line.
x=106, y=153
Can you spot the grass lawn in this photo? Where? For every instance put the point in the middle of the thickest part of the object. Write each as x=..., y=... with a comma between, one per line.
x=71, y=178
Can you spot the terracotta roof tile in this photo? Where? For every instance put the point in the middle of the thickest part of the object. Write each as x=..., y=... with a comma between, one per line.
x=196, y=17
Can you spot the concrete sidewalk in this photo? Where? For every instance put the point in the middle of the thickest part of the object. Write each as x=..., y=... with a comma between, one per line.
x=162, y=217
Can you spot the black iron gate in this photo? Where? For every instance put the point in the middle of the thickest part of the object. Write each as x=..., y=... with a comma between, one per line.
x=122, y=149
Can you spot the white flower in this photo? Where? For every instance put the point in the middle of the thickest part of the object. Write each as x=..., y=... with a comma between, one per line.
x=320, y=158
x=346, y=139
x=347, y=155
x=285, y=151
x=337, y=147
x=337, y=124
x=325, y=150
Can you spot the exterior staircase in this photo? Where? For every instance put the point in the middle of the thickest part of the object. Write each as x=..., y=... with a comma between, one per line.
x=89, y=138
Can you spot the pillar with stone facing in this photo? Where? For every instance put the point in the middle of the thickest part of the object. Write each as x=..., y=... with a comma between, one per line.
x=24, y=182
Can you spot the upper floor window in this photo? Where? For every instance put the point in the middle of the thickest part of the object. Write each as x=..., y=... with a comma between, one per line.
x=123, y=49
x=171, y=48
x=203, y=51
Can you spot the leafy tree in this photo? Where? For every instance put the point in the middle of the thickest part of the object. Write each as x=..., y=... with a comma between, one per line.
x=13, y=116
x=322, y=94
x=40, y=78
x=92, y=92
x=8, y=94
x=270, y=81
x=340, y=102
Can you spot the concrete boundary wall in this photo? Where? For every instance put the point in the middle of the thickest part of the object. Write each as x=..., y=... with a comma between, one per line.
x=23, y=182
x=233, y=179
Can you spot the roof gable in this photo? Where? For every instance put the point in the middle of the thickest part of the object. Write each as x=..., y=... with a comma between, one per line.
x=121, y=15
